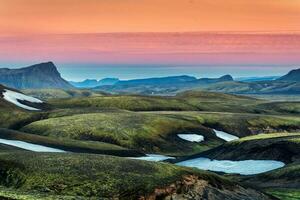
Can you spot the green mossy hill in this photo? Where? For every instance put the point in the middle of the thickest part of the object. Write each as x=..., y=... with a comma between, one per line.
x=284, y=147
x=241, y=124
x=210, y=96
x=285, y=193
x=218, y=102
x=13, y=117
x=209, y=101
x=287, y=177
x=282, y=107
x=86, y=176
x=4, y=147
x=69, y=145
x=149, y=133
x=133, y=103
x=187, y=101
x=60, y=93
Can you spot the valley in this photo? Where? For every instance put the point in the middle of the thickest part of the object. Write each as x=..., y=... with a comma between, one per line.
x=109, y=137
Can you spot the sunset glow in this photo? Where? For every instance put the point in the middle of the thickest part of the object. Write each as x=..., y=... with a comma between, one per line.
x=151, y=32
x=90, y=16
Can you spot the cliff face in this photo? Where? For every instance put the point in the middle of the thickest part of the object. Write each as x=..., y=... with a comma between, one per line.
x=43, y=75
x=193, y=187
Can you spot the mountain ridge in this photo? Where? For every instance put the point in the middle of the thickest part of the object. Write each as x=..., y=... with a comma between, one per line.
x=90, y=83
x=293, y=75
x=42, y=75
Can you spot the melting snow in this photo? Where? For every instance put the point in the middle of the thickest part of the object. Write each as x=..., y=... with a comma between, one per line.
x=245, y=167
x=225, y=136
x=191, y=137
x=29, y=146
x=13, y=97
x=154, y=157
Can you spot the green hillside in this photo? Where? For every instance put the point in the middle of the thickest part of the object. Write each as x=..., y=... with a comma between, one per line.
x=84, y=176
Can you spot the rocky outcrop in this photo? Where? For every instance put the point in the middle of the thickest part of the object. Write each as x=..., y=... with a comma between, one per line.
x=192, y=187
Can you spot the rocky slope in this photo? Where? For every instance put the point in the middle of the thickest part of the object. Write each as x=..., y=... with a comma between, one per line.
x=293, y=75
x=43, y=75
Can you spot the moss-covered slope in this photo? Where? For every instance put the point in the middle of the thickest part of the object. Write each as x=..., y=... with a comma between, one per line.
x=104, y=177
x=149, y=133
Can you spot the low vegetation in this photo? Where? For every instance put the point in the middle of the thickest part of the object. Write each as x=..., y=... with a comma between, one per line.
x=85, y=121
x=186, y=101
x=283, y=147
x=46, y=94
x=69, y=145
x=241, y=124
x=14, y=117
x=283, y=182
x=83, y=176
x=133, y=103
x=150, y=133
x=285, y=193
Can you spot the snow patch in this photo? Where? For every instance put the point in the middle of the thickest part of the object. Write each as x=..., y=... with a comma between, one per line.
x=154, y=157
x=245, y=167
x=29, y=146
x=225, y=136
x=13, y=97
x=191, y=137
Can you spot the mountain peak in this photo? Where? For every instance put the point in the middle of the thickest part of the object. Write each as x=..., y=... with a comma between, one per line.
x=49, y=66
x=293, y=75
x=226, y=77
x=42, y=75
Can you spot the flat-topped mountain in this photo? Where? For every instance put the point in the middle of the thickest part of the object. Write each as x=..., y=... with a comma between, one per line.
x=43, y=75
x=293, y=75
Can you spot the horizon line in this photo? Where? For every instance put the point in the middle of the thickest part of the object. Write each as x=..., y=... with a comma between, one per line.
x=161, y=32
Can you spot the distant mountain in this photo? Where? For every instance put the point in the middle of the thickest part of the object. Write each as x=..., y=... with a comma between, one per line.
x=215, y=80
x=262, y=87
x=256, y=79
x=90, y=83
x=161, y=86
x=159, y=81
x=108, y=81
x=43, y=75
x=293, y=75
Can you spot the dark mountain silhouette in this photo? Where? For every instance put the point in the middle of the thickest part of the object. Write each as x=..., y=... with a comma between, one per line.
x=293, y=75
x=43, y=75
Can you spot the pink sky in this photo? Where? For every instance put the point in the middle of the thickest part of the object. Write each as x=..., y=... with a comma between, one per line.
x=155, y=48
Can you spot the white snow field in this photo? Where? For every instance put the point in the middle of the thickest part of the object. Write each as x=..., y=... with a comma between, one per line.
x=191, y=137
x=245, y=167
x=154, y=157
x=225, y=136
x=13, y=97
x=29, y=146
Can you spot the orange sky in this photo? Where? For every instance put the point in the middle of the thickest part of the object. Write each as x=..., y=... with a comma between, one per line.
x=91, y=16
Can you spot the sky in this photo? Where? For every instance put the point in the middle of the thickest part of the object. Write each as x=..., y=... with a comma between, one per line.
x=144, y=38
